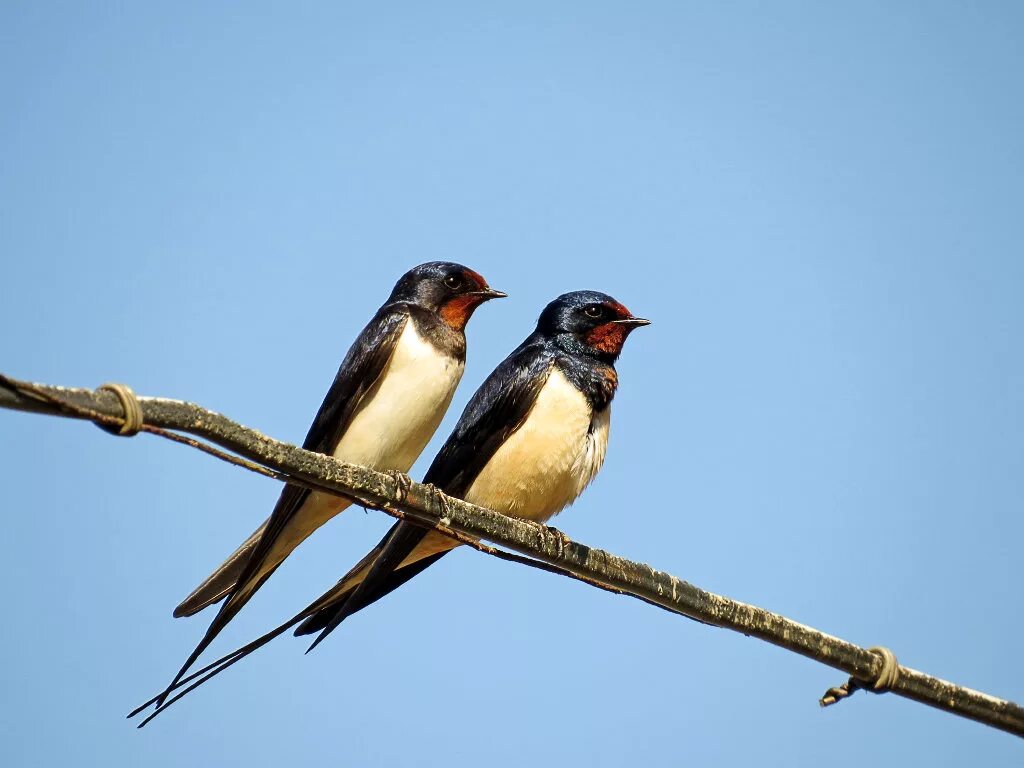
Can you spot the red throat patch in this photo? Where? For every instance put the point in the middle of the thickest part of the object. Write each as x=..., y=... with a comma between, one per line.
x=456, y=312
x=608, y=337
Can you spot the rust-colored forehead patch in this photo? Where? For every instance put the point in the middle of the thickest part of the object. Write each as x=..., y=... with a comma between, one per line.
x=608, y=337
x=475, y=277
x=457, y=311
x=618, y=309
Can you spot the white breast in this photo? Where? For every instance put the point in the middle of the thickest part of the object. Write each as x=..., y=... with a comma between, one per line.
x=545, y=465
x=400, y=414
x=393, y=425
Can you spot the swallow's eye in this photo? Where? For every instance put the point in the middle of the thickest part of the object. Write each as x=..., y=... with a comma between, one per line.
x=594, y=311
x=453, y=281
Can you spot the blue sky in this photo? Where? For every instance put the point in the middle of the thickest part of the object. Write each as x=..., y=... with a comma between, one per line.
x=818, y=205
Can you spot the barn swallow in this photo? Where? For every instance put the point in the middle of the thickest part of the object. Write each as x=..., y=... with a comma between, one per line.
x=531, y=439
x=388, y=398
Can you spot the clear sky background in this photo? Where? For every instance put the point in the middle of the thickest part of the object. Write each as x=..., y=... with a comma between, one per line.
x=820, y=208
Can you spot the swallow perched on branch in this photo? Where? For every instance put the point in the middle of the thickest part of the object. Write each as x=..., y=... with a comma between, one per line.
x=531, y=439
x=388, y=398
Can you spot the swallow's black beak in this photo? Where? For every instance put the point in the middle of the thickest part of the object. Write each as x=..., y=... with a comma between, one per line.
x=632, y=322
x=489, y=293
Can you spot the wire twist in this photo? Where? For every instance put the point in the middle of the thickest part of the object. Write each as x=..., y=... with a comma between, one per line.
x=131, y=407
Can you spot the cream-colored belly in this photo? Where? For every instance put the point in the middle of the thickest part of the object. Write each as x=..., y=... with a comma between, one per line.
x=545, y=465
x=542, y=468
x=392, y=427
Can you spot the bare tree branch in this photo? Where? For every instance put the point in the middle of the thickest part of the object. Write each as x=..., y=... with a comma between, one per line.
x=397, y=495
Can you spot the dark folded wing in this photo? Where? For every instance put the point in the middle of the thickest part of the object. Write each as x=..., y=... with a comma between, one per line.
x=362, y=367
x=497, y=409
x=359, y=371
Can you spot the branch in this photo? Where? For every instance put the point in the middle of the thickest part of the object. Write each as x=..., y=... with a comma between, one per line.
x=396, y=494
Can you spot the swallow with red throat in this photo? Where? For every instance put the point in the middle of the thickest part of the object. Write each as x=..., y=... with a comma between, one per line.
x=388, y=398
x=531, y=439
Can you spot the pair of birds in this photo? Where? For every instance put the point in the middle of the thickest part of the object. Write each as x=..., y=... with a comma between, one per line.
x=530, y=440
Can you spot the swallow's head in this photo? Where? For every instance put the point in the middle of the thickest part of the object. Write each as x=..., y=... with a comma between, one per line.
x=451, y=290
x=590, y=322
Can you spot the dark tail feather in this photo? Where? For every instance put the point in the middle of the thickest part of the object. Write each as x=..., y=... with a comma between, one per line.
x=332, y=596
x=397, y=545
x=222, y=581
x=319, y=620
x=212, y=670
x=184, y=681
x=228, y=610
x=382, y=578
